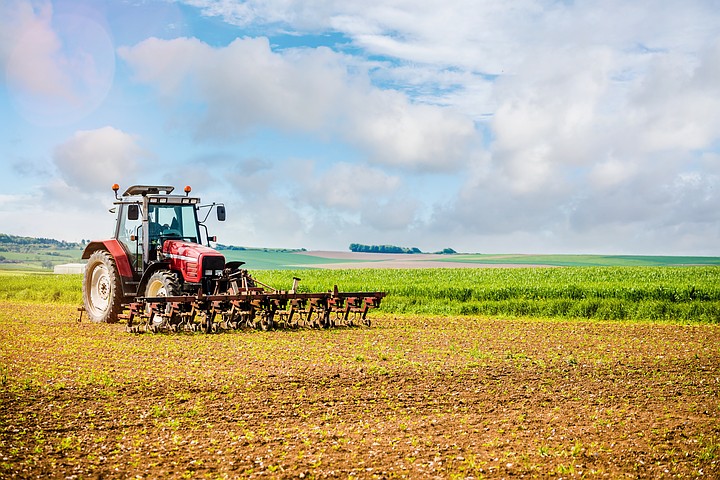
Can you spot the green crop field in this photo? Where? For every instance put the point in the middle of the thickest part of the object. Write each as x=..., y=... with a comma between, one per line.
x=687, y=294
x=607, y=293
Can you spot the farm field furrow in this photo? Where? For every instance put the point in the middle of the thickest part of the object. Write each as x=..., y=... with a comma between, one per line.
x=411, y=397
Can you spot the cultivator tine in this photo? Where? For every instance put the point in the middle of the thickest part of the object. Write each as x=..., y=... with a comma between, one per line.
x=250, y=307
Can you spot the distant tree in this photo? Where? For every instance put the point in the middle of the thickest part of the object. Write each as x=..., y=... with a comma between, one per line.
x=357, y=247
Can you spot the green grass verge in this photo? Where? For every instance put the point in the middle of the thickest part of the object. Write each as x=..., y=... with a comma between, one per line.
x=687, y=294
x=41, y=287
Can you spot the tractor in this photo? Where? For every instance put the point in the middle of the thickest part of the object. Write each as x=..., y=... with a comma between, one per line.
x=156, y=273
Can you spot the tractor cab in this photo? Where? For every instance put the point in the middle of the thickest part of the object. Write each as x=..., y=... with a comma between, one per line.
x=148, y=216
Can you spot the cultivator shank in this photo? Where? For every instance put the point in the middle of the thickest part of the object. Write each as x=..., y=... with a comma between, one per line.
x=252, y=307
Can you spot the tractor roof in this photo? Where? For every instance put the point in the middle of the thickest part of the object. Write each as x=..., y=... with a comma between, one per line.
x=148, y=190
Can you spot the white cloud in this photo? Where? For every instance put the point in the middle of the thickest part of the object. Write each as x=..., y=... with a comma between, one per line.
x=92, y=160
x=347, y=186
x=243, y=85
x=612, y=173
x=677, y=104
x=246, y=86
x=396, y=132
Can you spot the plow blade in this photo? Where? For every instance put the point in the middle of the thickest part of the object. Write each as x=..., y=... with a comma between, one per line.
x=251, y=308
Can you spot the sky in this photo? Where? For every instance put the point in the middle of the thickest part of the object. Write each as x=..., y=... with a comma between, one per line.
x=489, y=126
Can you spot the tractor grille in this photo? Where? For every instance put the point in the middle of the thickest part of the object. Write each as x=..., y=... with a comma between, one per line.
x=212, y=264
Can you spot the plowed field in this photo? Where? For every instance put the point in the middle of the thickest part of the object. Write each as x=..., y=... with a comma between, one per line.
x=411, y=397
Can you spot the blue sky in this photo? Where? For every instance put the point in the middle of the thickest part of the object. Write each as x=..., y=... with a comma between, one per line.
x=484, y=126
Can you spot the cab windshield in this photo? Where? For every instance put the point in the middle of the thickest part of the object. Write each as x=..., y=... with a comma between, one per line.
x=172, y=221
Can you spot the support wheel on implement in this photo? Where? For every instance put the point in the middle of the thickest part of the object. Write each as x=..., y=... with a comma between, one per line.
x=101, y=289
x=267, y=320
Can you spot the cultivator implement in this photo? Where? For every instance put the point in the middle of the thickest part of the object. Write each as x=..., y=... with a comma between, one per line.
x=252, y=308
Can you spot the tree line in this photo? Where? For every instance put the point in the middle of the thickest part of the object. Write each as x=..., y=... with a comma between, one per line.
x=358, y=247
x=14, y=240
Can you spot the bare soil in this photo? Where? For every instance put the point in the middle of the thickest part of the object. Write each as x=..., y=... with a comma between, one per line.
x=410, y=397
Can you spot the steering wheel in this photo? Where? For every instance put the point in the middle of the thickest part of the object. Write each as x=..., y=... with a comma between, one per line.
x=166, y=231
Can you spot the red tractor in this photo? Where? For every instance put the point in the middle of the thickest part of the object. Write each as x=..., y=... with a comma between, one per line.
x=156, y=274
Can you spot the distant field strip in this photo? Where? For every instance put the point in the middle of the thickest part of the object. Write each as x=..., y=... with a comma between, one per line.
x=685, y=294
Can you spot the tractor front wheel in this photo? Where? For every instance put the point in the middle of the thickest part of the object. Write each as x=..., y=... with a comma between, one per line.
x=162, y=283
x=101, y=289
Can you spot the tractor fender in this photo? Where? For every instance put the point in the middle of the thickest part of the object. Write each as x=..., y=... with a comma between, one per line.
x=118, y=252
x=152, y=268
x=120, y=256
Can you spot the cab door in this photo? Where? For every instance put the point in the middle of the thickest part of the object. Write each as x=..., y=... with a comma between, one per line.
x=129, y=233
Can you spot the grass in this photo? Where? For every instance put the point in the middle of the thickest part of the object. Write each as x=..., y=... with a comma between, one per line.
x=687, y=294
x=40, y=287
x=607, y=293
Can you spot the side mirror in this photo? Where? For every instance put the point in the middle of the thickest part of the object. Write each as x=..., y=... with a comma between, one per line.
x=133, y=212
x=221, y=213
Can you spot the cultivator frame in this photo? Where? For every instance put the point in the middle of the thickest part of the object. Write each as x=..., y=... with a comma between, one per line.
x=254, y=308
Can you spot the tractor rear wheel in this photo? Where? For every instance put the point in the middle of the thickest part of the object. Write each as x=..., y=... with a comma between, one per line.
x=101, y=289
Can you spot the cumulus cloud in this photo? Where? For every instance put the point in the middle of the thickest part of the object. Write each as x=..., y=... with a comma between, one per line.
x=94, y=159
x=346, y=186
x=246, y=86
x=398, y=133
x=598, y=140
x=676, y=105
